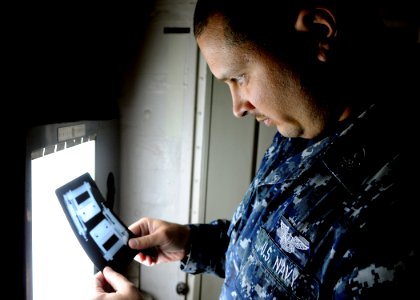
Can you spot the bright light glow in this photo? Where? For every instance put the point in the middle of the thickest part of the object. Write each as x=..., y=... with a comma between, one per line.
x=61, y=269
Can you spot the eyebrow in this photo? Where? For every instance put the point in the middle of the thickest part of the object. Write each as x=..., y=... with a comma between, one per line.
x=225, y=76
x=231, y=71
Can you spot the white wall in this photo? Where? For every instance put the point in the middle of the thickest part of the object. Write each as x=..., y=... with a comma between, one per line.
x=157, y=125
x=184, y=156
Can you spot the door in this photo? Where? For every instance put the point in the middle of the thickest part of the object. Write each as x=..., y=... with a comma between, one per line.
x=235, y=149
x=157, y=128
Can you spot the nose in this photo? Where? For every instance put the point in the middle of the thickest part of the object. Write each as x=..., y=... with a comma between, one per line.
x=240, y=106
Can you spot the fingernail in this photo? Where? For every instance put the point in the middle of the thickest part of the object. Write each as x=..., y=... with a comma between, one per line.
x=133, y=243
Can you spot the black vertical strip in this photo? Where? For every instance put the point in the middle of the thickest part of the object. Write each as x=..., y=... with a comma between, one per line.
x=255, y=149
x=110, y=195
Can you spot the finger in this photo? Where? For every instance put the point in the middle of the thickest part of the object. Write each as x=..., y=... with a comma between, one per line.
x=144, y=242
x=140, y=227
x=99, y=276
x=145, y=259
x=102, y=285
x=114, y=279
x=100, y=282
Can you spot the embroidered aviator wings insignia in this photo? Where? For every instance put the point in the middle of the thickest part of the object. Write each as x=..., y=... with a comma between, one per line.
x=289, y=242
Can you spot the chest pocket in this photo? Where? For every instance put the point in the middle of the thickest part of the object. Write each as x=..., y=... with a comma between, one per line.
x=268, y=273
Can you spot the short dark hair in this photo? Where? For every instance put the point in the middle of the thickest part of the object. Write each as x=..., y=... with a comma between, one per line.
x=246, y=21
x=267, y=22
x=270, y=25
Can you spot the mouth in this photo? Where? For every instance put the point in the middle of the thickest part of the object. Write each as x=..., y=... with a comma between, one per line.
x=263, y=119
x=260, y=117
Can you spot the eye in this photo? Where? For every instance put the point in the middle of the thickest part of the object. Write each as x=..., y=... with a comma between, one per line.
x=240, y=80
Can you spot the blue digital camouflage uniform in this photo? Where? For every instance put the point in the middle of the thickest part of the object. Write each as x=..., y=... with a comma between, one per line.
x=322, y=219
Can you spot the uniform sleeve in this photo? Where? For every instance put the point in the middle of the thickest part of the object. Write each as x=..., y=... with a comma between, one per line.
x=208, y=245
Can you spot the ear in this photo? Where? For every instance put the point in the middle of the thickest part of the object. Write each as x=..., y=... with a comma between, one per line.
x=320, y=21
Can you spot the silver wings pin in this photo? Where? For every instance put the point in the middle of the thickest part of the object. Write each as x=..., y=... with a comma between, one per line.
x=289, y=242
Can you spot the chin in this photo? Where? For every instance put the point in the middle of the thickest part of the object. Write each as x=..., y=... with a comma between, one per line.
x=292, y=132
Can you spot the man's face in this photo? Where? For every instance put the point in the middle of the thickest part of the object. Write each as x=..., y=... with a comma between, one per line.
x=261, y=85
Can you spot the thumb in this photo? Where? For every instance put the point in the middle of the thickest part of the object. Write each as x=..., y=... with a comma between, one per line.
x=143, y=242
x=114, y=279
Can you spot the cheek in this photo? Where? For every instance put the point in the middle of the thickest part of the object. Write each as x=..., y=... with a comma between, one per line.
x=262, y=93
x=256, y=96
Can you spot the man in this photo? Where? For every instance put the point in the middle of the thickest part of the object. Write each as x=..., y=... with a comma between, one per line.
x=328, y=214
